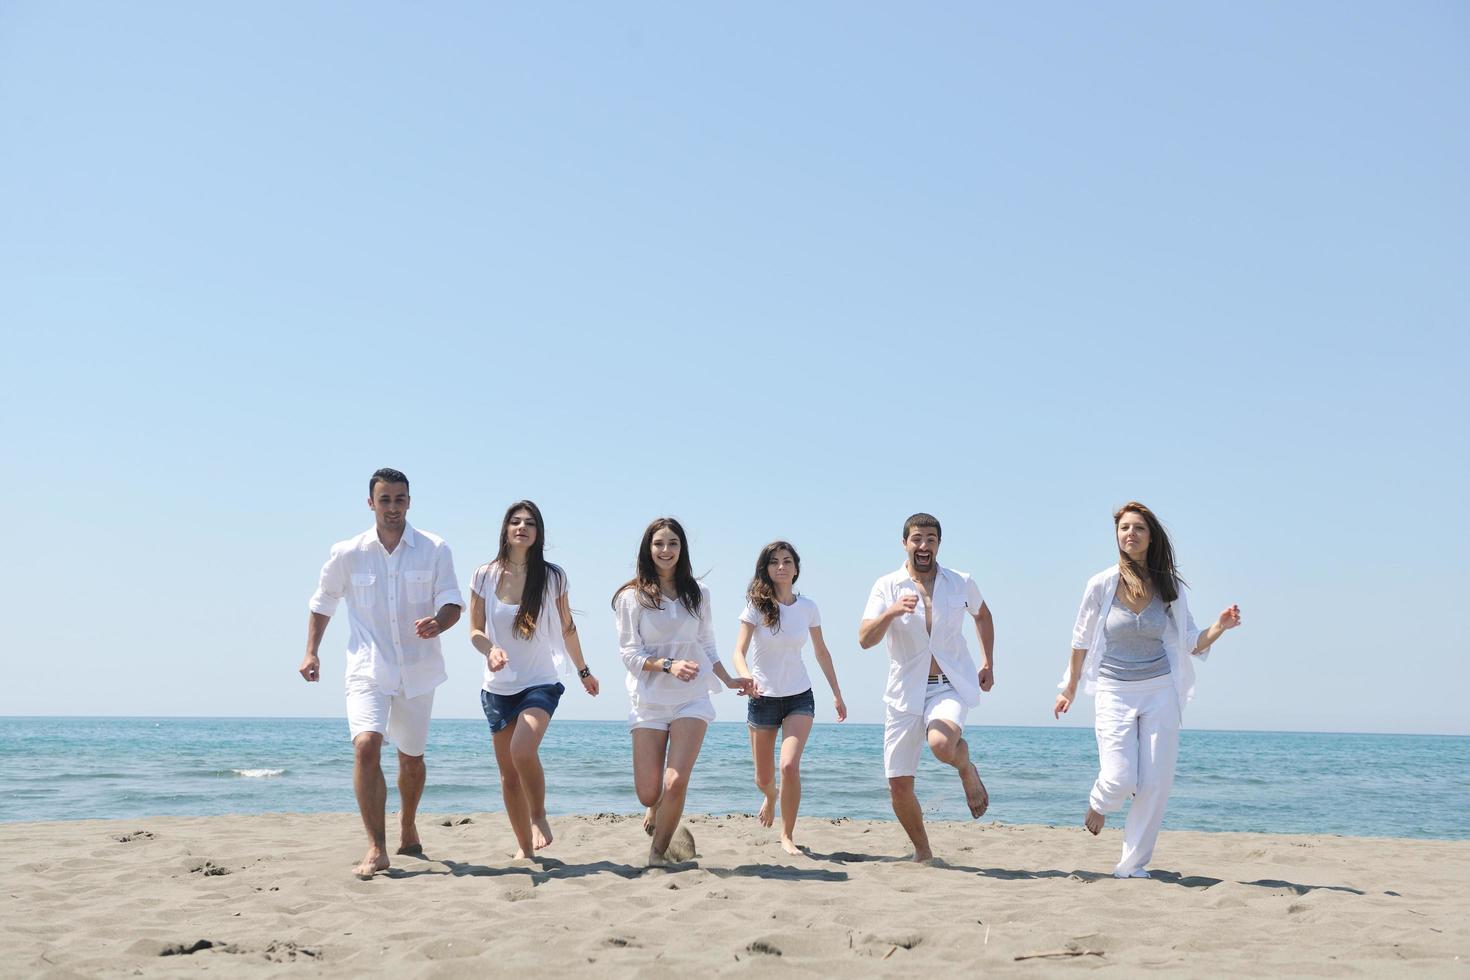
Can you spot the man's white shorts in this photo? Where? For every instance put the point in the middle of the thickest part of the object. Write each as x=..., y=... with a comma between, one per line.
x=404, y=721
x=905, y=733
x=658, y=716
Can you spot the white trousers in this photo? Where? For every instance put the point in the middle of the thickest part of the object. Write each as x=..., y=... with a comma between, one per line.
x=1137, y=726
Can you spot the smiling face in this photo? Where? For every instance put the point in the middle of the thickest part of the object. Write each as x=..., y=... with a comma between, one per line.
x=1133, y=535
x=664, y=549
x=782, y=568
x=521, y=529
x=922, y=545
x=389, y=504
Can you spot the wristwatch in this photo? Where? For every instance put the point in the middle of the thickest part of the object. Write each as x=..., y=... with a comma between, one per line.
x=584, y=673
x=668, y=664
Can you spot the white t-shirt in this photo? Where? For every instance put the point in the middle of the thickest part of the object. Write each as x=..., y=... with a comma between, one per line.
x=775, y=656
x=536, y=660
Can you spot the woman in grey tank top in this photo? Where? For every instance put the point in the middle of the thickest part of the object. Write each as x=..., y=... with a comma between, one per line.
x=1134, y=643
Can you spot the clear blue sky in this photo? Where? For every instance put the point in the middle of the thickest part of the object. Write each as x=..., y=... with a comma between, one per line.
x=778, y=269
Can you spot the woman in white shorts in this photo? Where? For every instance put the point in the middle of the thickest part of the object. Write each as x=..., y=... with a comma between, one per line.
x=521, y=622
x=1135, y=643
x=667, y=642
x=774, y=627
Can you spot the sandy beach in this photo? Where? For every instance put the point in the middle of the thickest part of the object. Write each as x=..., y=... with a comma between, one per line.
x=272, y=893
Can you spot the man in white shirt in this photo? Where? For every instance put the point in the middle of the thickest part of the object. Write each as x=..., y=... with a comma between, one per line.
x=394, y=578
x=922, y=610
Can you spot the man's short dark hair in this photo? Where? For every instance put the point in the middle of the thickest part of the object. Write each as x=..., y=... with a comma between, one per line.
x=389, y=475
x=922, y=519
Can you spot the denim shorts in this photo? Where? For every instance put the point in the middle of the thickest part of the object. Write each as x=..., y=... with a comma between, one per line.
x=768, y=712
x=502, y=709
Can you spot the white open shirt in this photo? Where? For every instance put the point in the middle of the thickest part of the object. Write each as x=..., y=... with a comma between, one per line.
x=385, y=595
x=955, y=603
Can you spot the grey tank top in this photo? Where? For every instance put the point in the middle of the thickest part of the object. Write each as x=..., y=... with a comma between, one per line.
x=1135, y=650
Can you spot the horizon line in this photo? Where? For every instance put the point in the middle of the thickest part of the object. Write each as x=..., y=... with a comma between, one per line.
x=612, y=721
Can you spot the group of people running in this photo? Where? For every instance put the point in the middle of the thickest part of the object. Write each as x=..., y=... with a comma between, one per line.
x=1132, y=646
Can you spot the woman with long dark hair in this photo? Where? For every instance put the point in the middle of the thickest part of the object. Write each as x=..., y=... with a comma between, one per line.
x=667, y=642
x=521, y=622
x=1134, y=644
x=774, y=627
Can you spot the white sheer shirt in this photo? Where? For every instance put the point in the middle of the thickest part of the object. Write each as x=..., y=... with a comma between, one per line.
x=671, y=632
x=386, y=593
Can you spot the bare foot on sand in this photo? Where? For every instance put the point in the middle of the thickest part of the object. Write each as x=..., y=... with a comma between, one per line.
x=1094, y=822
x=520, y=854
x=648, y=819
x=789, y=846
x=923, y=857
x=767, y=813
x=375, y=861
x=409, y=843
x=975, y=793
x=540, y=832
x=681, y=847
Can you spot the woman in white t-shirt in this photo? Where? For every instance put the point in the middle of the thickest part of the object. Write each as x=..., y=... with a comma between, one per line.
x=775, y=626
x=521, y=622
x=667, y=643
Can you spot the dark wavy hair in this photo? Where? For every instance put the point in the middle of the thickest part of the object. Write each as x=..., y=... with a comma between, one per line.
x=386, y=475
x=538, y=570
x=1160, y=569
x=761, y=593
x=645, y=582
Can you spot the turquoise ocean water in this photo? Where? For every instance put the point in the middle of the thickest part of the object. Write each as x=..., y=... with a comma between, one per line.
x=1292, y=783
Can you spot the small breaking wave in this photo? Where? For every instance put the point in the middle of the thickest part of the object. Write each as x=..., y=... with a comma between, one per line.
x=258, y=773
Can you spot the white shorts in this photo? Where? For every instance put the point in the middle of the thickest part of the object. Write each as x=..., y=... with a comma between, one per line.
x=658, y=716
x=404, y=721
x=905, y=733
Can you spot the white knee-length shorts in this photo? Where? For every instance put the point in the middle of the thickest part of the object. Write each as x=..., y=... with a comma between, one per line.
x=906, y=733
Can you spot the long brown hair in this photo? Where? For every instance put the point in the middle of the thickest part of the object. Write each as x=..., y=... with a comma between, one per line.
x=645, y=582
x=538, y=570
x=761, y=594
x=1158, y=568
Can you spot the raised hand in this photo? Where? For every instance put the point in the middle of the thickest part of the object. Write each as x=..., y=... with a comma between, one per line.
x=1230, y=618
x=906, y=604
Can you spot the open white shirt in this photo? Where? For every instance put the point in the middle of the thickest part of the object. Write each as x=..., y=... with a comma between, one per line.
x=955, y=603
x=1087, y=634
x=385, y=594
x=536, y=659
x=666, y=632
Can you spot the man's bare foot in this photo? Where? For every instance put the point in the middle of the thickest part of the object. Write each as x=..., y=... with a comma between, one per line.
x=767, y=812
x=681, y=847
x=975, y=792
x=409, y=843
x=923, y=857
x=375, y=861
x=657, y=860
x=540, y=832
x=648, y=820
x=1094, y=822
x=789, y=846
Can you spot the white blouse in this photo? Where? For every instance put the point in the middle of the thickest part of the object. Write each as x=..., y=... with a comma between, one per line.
x=668, y=631
x=1088, y=634
x=537, y=659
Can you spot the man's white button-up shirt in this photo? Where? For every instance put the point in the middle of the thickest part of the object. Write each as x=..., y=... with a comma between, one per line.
x=386, y=593
x=956, y=600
